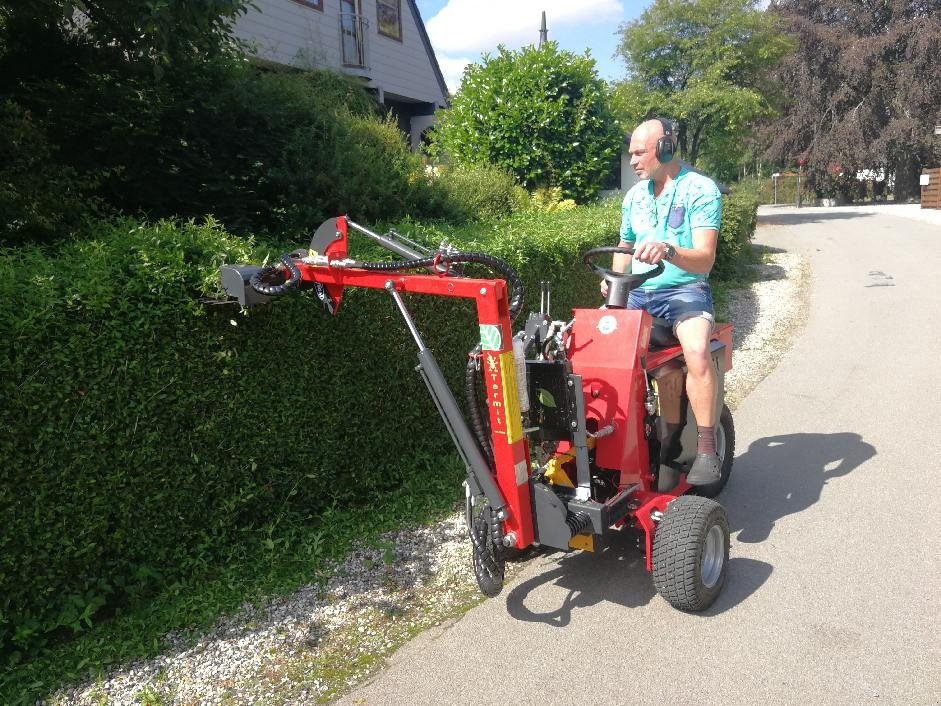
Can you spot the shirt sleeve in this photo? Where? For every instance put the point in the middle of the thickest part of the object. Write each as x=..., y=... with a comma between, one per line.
x=706, y=208
x=627, y=235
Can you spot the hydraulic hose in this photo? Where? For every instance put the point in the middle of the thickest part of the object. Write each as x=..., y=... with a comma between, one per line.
x=486, y=536
x=478, y=425
x=258, y=283
x=494, y=263
x=578, y=522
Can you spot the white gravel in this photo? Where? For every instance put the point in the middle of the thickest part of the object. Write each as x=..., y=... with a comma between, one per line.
x=314, y=644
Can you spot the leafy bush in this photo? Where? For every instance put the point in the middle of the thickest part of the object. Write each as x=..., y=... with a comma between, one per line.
x=539, y=113
x=260, y=150
x=38, y=196
x=480, y=192
x=739, y=219
x=145, y=433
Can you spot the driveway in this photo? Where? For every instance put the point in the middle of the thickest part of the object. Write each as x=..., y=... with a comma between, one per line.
x=834, y=587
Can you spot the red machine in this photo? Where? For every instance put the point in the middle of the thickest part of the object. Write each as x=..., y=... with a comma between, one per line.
x=577, y=429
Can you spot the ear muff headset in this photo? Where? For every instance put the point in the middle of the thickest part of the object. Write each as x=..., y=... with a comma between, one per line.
x=666, y=146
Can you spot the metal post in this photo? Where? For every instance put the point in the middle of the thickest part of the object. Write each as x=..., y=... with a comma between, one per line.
x=799, y=170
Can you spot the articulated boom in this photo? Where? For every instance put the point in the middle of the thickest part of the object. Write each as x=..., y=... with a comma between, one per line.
x=606, y=416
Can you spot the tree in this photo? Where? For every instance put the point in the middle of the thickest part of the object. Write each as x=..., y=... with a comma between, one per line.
x=702, y=63
x=158, y=31
x=539, y=113
x=862, y=91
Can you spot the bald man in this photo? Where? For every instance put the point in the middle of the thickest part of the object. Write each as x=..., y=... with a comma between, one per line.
x=673, y=215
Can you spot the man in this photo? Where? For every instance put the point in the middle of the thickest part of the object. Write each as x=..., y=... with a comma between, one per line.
x=673, y=215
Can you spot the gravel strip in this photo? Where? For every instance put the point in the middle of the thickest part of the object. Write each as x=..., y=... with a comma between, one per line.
x=313, y=645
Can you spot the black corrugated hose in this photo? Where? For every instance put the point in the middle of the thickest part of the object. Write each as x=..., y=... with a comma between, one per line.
x=459, y=258
x=259, y=284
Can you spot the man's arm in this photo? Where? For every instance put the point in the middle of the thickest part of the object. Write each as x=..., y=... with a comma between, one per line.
x=621, y=262
x=697, y=259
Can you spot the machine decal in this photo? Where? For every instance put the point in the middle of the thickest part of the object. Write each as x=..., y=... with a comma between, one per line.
x=511, y=401
x=607, y=325
x=490, y=337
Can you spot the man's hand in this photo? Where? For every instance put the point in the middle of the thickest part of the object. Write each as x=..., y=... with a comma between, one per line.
x=650, y=251
x=604, y=288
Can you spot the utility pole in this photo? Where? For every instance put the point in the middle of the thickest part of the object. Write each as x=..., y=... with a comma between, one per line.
x=543, y=32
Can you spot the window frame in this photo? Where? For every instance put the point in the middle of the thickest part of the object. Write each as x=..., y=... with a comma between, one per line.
x=397, y=4
x=312, y=4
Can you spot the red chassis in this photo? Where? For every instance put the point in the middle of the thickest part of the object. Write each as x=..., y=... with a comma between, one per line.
x=608, y=457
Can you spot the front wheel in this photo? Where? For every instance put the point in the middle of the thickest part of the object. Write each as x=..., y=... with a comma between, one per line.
x=691, y=552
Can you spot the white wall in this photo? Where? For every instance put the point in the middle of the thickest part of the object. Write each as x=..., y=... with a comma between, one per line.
x=290, y=33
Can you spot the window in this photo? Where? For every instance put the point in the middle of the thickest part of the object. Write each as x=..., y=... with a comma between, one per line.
x=315, y=4
x=389, y=18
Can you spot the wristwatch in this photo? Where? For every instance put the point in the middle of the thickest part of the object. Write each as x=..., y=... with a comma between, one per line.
x=669, y=253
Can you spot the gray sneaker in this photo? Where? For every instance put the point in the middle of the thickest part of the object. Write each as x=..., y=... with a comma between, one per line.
x=706, y=469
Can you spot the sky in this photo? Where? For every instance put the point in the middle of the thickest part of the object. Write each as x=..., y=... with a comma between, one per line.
x=462, y=30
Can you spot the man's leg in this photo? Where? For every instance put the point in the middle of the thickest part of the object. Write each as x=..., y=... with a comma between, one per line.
x=694, y=334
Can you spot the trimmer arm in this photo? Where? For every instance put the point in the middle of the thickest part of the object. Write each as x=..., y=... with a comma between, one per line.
x=605, y=411
x=327, y=269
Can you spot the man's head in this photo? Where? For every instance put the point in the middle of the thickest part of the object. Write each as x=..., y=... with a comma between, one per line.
x=643, y=151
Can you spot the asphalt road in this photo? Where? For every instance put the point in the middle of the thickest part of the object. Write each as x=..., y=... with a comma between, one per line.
x=834, y=587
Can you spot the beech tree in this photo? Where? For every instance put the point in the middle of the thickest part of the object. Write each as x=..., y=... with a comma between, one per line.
x=862, y=91
x=703, y=63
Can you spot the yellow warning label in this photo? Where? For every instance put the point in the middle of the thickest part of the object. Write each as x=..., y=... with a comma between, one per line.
x=511, y=401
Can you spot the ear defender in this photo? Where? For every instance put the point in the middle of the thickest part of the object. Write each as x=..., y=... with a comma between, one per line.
x=666, y=147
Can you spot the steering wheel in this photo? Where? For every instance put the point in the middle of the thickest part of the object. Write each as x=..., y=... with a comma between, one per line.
x=619, y=283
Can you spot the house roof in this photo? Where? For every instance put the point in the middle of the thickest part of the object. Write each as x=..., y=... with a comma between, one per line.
x=416, y=15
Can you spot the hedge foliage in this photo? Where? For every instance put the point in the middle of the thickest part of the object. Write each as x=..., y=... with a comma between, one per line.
x=262, y=151
x=143, y=431
x=739, y=219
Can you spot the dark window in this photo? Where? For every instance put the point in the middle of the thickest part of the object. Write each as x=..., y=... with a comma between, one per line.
x=315, y=4
x=389, y=18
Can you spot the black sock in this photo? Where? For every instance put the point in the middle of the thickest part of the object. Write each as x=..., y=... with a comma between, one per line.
x=706, y=440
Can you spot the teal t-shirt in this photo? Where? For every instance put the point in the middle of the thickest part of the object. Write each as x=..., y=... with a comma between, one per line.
x=691, y=201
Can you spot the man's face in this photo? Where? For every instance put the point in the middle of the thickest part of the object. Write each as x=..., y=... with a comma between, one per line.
x=643, y=150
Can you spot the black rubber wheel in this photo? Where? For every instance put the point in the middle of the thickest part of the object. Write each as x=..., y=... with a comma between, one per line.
x=725, y=447
x=691, y=552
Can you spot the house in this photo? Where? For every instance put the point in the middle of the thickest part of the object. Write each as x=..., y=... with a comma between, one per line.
x=381, y=42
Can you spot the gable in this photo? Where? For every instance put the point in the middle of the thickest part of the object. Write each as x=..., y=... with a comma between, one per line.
x=297, y=33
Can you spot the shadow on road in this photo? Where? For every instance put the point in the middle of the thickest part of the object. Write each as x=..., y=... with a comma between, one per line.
x=617, y=575
x=809, y=216
x=781, y=475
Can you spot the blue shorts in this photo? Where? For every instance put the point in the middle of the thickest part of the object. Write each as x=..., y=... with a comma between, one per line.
x=675, y=304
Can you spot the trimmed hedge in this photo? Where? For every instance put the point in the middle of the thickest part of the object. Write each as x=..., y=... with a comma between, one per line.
x=144, y=431
x=739, y=219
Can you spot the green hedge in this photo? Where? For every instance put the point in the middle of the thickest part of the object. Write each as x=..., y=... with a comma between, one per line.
x=143, y=431
x=739, y=219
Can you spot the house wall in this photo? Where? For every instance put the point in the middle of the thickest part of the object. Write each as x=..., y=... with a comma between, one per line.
x=288, y=32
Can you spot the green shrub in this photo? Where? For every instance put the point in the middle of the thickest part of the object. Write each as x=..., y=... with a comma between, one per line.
x=539, y=113
x=480, y=192
x=38, y=196
x=145, y=433
x=739, y=219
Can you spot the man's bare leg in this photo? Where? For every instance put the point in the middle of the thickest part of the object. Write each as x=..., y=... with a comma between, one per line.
x=701, y=385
